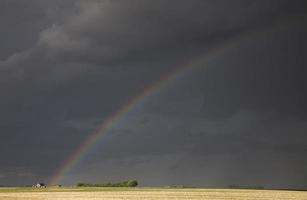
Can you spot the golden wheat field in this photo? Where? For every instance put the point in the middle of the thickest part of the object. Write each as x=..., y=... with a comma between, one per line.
x=157, y=194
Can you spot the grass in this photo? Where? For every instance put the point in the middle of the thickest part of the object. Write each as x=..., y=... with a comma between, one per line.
x=88, y=193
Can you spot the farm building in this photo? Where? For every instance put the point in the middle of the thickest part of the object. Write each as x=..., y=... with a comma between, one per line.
x=40, y=185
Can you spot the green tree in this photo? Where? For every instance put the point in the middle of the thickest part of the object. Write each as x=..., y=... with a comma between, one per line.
x=132, y=183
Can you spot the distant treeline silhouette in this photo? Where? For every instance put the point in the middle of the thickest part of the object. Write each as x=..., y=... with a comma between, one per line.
x=129, y=183
x=256, y=187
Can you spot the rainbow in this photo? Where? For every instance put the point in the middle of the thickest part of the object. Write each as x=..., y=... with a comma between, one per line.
x=107, y=124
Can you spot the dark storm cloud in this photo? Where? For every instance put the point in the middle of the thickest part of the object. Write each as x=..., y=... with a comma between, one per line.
x=246, y=107
x=100, y=32
x=68, y=65
x=270, y=77
x=21, y=22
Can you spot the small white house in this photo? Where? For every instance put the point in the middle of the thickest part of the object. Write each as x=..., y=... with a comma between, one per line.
x=40, y=185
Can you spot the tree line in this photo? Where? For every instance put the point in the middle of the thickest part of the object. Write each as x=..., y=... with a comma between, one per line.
x=129, y=183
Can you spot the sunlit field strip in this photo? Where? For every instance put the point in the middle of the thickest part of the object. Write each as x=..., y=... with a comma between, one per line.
x=152, y=193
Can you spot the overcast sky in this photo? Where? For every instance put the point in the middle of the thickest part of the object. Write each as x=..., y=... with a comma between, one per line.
x=237, y=116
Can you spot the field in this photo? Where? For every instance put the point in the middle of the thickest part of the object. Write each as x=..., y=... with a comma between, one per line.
x=146, y=194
